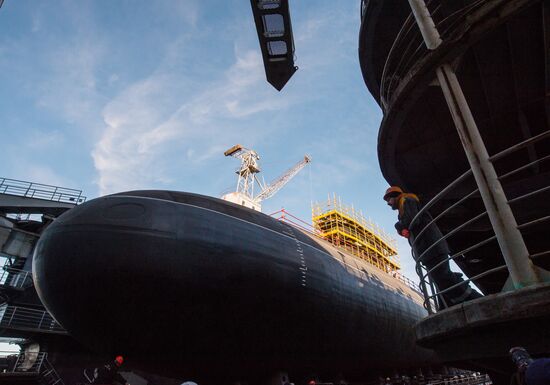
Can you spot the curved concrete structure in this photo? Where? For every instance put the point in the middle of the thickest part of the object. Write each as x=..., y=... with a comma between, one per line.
x=202, y=288
x=500, y=52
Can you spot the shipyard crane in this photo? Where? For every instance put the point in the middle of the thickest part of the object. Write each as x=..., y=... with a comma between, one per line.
x=247, y=175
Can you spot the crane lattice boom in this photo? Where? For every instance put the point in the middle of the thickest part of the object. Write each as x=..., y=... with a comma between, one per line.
x=244, y=195
x=278, y=183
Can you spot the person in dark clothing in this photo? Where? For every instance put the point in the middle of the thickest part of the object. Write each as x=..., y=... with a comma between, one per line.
x=108, y=374
x=426, y=246
x=529, y=371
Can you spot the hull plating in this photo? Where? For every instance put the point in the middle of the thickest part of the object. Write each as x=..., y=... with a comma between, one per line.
x=191, y=285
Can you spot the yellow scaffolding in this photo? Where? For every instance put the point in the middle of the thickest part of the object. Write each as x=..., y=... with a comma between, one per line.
x=348, y=229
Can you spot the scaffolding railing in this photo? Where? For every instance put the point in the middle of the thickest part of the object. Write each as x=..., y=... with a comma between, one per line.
x=429, y=289
x=23, y=318
x=347, y=228
x=41, y=191
x=335, y=203
x=286, y=217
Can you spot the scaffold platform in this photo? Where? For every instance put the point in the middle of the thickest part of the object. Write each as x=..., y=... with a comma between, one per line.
x=347, y=228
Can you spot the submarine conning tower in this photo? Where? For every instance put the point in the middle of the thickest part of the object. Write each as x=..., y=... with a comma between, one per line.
x=465, y=91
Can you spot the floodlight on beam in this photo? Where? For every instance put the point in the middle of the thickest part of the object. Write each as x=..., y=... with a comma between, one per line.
x=272, y=18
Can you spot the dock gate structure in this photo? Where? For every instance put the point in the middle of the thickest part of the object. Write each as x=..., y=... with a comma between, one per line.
x=26, y=209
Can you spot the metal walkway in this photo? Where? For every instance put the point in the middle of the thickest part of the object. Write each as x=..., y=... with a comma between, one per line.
x=28, y=320
x=40, y=191
x=23, y=197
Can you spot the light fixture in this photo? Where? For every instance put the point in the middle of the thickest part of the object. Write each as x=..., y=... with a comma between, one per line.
x=272, y=18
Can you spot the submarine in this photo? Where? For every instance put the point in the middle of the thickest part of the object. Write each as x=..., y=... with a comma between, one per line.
x=201, y=288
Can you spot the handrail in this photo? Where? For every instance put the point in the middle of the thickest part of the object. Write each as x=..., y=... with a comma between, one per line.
x=40, y=367
x=450, y=233
x=448, y=209
x=16, y=317
x=441, y=194
x=282, y=215
x=424, y=274
x=15, y=278
x=41, y=191
x=460, y=253
x=519, y=146
x=408, y=46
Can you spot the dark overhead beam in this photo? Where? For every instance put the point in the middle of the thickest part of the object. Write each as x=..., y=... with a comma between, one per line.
x=520, y=100
x=546, y=32
x=272, y=18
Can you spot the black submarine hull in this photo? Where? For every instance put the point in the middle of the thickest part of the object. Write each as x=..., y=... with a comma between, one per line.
x=194, y=287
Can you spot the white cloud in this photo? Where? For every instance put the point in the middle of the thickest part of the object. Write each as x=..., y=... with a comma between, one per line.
x=147, y=120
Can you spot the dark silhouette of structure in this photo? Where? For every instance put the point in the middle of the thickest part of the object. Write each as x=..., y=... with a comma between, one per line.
x=464, y=87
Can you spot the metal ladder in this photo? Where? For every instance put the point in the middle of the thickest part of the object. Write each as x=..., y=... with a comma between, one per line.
x=41, y=367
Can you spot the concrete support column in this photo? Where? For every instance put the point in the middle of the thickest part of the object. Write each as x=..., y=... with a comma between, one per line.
x=522, y=271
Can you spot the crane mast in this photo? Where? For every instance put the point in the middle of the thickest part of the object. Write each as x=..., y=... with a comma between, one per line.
x=247, y=175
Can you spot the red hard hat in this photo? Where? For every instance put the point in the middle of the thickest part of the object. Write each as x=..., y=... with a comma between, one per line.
x=119, y=360
x=392, y=191
x=312, y=382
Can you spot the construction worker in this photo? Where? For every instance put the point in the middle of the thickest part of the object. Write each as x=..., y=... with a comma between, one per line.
x=108, y=373
x=408, y=206
x=529, y=371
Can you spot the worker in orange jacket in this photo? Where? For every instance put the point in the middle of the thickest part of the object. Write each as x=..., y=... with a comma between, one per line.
x=108, y=374
x=408, y=206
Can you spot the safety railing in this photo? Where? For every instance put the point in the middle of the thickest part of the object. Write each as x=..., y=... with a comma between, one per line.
x=30, y=362
x=407, y=281
x=41, y=191
x=22, y=318
x=421, y=254
x=409, y=48
x=15, y=278
x=37, y=363
x=462, y=380
x=334, y=203
x=286, y=217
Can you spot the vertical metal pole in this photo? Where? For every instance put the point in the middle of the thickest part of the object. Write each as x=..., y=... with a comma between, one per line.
x=515, y=253
x=426, y=24
x=423, y=285
x=504, y=223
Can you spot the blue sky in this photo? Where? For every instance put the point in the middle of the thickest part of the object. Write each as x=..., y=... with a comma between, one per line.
x=107, y=96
